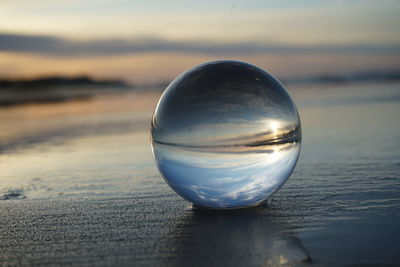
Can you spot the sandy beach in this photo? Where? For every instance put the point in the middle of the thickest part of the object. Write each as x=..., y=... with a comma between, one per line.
x=79, y=187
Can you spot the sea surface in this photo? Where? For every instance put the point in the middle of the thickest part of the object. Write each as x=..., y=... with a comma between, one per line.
x=87, y=164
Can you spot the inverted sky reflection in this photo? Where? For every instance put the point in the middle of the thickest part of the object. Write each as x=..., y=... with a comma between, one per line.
x=226, y=179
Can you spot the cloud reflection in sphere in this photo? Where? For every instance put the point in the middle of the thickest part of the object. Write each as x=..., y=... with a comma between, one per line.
x=226, y=134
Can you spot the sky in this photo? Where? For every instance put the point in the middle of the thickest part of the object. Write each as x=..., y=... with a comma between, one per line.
x=150, y=41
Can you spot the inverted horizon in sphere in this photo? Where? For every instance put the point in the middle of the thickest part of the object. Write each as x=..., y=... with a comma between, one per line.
x=226, y=134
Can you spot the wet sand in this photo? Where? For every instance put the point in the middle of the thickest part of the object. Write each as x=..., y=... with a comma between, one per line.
x=79, y=187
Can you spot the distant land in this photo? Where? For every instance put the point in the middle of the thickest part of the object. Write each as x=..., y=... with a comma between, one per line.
x=56, y=89
x=354, y=77
x=60, y=88
x=57, y=81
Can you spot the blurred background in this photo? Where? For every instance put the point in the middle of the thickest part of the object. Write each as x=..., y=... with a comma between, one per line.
x=144, y=42
x=79, y=81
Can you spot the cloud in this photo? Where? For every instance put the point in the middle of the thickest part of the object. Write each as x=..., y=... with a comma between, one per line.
x=49, y=45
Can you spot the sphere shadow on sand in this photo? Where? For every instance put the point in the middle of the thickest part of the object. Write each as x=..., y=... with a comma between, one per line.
x=237, y=237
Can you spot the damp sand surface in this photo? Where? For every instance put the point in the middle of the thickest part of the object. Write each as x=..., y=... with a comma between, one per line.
x=78, y=186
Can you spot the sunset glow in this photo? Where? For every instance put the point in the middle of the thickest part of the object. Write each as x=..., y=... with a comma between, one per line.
x=150, y=41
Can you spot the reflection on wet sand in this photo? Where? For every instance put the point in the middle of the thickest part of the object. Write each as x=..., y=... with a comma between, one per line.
x=250, y=237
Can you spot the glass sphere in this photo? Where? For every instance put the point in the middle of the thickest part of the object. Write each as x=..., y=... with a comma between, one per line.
x=226, y=134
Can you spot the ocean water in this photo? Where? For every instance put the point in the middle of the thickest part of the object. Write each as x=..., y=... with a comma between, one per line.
x=341, y=206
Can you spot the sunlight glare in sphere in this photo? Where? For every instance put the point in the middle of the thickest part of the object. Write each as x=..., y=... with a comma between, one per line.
x=226, y=134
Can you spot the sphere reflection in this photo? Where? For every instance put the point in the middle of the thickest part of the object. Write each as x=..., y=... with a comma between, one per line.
x=226, y=134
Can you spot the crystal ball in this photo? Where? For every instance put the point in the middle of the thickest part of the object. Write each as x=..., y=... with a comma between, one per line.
x=225, y=134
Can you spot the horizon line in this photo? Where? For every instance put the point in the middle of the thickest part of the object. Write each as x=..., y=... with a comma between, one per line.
x=58, y=46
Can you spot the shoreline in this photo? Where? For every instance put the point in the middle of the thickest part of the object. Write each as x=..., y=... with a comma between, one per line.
x=90, y=193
